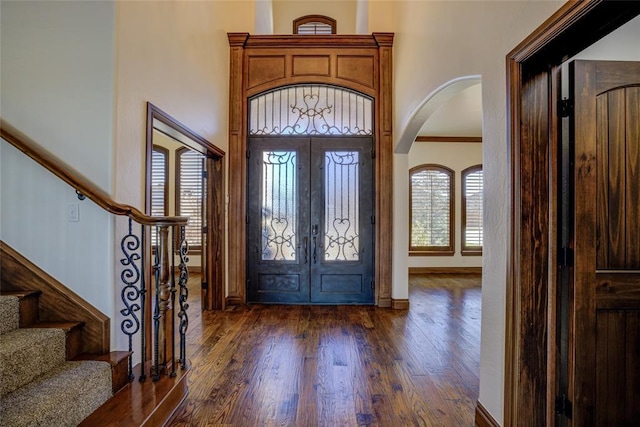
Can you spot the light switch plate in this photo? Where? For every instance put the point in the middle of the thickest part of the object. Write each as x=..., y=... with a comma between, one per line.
x=73, y=212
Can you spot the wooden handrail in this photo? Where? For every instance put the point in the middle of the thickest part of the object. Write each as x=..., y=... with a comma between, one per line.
x=79, y=182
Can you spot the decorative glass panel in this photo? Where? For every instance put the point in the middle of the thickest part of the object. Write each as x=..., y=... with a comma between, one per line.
x=473, y=208
x=279, y=206
x=430, y=208
x=311, y=110
x=342, y=207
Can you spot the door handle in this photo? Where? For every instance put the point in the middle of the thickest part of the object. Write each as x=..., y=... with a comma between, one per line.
x=314, y=249
x=306, y=249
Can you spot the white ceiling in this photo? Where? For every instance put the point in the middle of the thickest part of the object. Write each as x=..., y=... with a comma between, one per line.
x=460, y=116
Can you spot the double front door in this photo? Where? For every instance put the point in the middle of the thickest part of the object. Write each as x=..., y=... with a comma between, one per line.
x=310, y=220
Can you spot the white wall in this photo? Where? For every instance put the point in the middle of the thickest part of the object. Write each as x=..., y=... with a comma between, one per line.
x=436, y=42
x=57, y=80
x=343, y=11
x=176, y=56
x=455, y=156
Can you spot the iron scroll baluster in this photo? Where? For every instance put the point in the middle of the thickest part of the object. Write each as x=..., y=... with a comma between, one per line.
x=183, y=295
x=132, y=291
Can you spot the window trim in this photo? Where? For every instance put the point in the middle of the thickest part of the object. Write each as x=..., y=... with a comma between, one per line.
x=434, y=250
x=465, y=249
x=195, y=249
x=323, y=19
x=165, y=152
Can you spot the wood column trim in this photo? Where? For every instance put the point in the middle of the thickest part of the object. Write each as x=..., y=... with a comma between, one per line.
x=384, y=172
x=483, y=417
x=237, y=172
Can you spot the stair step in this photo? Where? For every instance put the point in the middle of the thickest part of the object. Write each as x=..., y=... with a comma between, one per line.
x=73, y=334
x=119, y=362
x=29, y=306
x=62, y=397
x=28, y=353
x=9, y=313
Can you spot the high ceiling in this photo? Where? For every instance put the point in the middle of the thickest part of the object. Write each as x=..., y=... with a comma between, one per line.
x=460, y=116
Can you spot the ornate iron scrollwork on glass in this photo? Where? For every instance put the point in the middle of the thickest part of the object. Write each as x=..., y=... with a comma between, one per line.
x=133, y=291
x=311, y=110
x=342, y=209
x=279, y=206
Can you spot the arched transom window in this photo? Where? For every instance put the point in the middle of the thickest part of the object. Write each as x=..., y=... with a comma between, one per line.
x=311, y=110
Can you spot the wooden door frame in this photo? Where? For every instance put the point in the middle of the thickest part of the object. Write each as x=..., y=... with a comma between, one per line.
x=533, y=129
x=213, y=294
x=264, y=62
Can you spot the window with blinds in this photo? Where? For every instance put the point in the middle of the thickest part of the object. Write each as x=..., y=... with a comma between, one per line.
x=314, y=24
x=472, y=210
x=431, y=210
x=189, y=194
x=159, y=184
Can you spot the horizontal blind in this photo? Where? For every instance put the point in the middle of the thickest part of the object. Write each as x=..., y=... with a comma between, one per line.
x=189, y=191
x=473, y=208
x=430, y=208
x=314, y=28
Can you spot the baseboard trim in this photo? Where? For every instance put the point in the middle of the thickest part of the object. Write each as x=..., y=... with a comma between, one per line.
x=445, y=270
x=484, y=418
x=384, y=302
x=399, y=304
x=233, y=301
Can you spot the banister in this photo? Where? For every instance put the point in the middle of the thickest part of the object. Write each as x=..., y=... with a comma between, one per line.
x=79, y=182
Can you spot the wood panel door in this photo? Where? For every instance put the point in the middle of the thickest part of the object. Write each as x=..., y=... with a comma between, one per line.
x=310, y=220
x=604, y=310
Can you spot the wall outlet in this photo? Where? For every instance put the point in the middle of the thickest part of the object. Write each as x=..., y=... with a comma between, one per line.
x=73, y=212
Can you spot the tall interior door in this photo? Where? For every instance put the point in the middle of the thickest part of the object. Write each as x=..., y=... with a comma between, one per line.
x=604, y=302
x=310, y=220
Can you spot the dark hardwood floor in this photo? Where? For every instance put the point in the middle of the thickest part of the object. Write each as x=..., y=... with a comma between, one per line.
x=338, y=366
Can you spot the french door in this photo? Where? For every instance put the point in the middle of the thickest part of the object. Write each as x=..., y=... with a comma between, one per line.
x=310, y=220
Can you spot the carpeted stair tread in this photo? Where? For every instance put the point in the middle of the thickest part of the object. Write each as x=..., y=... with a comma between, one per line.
x=62, y=397
x=28, y=353
x=9, y=313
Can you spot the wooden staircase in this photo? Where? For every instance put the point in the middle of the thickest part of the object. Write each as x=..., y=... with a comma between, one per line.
x=45, y=304
x=39, y=384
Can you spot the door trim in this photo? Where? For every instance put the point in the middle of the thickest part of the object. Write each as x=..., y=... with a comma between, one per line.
x=532, y=71
x=261, y=63
x=213, y=295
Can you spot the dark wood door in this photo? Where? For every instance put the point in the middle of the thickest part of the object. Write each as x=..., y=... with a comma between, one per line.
x=604, y=309
x=310, y=221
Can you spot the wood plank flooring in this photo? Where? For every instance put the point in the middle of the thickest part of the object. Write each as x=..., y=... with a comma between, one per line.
x=265, y=365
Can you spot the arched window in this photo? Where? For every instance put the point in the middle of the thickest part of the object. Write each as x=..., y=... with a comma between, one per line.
x=189, y=167
x=472, y=210
x=314, y=24
x=431, y=210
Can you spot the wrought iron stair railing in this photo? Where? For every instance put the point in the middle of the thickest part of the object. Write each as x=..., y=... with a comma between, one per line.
x=149, y=314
